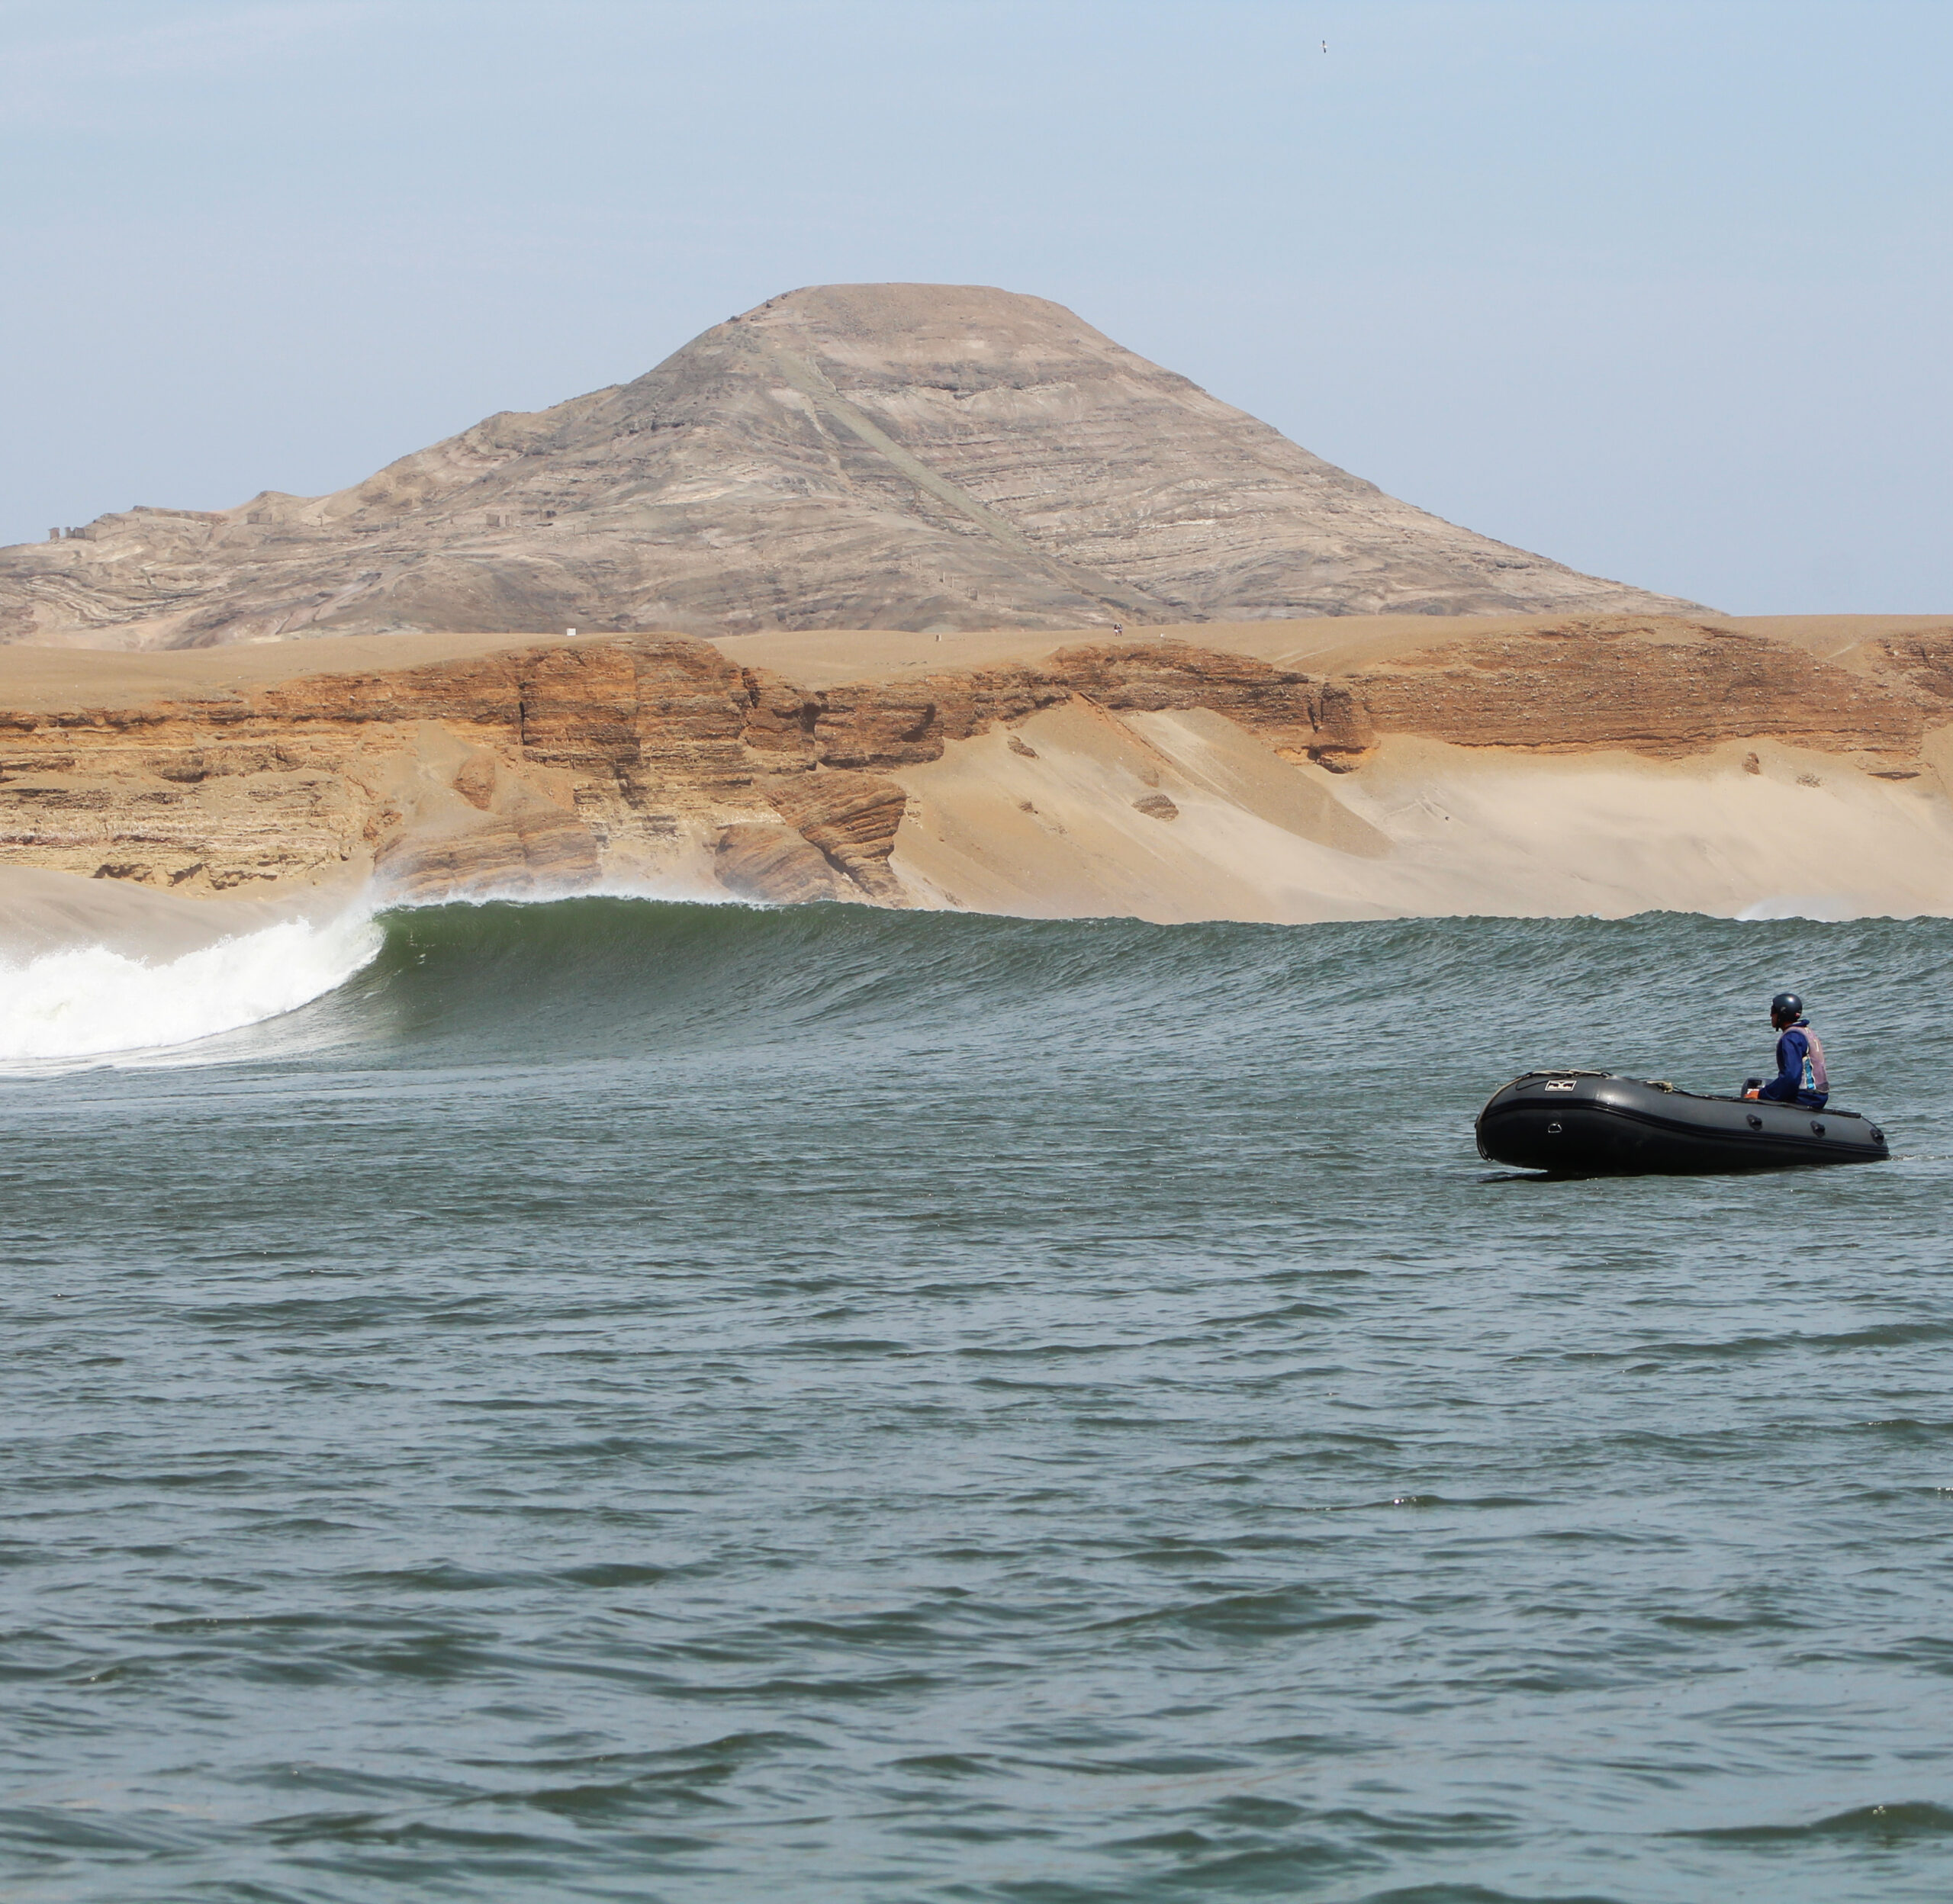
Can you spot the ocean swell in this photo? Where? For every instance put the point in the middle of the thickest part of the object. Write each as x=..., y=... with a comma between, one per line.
x=603, y=977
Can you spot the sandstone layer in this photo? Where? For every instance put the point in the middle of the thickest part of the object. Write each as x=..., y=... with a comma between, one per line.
x=910, y=456
x=1089, y=775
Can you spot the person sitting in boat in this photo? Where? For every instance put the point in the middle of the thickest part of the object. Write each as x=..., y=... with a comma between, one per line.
x=1800, y=1077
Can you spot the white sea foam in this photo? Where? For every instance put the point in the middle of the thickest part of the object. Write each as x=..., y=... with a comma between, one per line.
x=87, y=1002
x=1826, y=909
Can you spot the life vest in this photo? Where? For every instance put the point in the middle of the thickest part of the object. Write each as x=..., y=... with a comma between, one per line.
x=1814, y=1078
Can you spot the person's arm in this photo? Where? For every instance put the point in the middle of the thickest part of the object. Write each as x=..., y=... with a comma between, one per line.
x=1783, y=1089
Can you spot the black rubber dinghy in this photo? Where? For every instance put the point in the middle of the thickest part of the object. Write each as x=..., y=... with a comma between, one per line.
x=1591, y=1124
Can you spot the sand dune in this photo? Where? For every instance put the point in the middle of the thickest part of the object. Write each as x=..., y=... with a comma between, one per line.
x=1063, y=817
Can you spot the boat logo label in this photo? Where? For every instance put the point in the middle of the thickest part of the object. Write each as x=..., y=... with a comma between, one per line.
x=1559, y=1084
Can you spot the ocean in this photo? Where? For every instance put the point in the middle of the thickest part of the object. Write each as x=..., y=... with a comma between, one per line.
x=615, y=1399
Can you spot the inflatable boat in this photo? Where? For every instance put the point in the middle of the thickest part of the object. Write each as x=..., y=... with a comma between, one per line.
x=1592, y=1124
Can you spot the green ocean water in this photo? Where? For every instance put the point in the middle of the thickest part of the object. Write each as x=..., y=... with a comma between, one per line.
x=630, y=1401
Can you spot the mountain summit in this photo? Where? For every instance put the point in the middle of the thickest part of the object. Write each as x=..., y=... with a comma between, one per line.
x=913, y=456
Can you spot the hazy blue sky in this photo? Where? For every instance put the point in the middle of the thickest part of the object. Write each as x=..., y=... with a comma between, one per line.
x=1660, y=290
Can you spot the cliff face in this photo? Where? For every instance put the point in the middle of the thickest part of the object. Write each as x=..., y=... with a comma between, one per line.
x=548, y=765
x=559, y=764
x=1666, y=689
x=917, y=456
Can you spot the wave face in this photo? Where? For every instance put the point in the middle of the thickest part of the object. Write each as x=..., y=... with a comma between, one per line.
x=613, y=975
x=573, y=974
x=618, y=1398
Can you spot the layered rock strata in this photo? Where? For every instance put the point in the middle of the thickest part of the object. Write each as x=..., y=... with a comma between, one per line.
x=904, y=456
x=555, y=766
x=1589, y=685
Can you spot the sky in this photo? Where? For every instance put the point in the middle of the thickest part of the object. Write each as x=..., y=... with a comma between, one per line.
x=1661, y=291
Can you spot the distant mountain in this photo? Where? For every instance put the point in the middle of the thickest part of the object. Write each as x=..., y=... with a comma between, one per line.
x=914, y=456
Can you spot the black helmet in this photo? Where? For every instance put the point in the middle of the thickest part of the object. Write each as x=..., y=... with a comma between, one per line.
x=1787, y=1005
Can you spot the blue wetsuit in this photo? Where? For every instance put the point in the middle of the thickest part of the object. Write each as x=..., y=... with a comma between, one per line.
x=1796, y=1073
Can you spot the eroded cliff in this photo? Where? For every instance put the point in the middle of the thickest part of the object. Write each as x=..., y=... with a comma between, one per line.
x=642, y=759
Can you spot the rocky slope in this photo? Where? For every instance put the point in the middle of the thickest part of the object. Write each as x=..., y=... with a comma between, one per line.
x=916, y=456
x=632, y=758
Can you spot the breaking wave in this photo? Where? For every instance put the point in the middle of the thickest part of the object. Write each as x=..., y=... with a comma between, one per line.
x=87, y=1002
x=595, y=977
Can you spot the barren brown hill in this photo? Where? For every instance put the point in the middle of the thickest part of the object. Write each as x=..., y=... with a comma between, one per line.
x=901, y=456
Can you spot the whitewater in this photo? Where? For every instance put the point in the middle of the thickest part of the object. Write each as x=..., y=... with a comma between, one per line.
x=90, y=1001
x=625, y=1398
